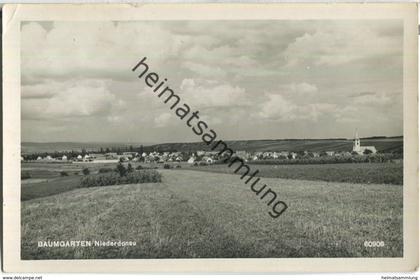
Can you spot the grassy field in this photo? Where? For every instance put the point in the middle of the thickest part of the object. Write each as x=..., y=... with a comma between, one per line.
x=49, y=187
x=193, y=214
x=367, y=173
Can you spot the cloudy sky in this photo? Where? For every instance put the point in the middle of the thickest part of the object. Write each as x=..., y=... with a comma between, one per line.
x=248, y=79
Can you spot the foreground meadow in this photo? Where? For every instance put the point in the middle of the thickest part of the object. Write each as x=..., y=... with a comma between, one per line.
x=193, y=214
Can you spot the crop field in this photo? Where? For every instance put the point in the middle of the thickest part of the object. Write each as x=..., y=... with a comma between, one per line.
x=194, y=214
x=364, y=173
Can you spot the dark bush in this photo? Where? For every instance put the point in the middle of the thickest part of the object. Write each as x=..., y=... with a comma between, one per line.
x=105, y=170
x=167, y=166
x=139, y=167
x=367, y=152
x=64, y=173
x=121, y=169
x=202, y=163
x=86, y=171
x=130, y=168
x=178, y=166
x=25, y=175
x=109, y=179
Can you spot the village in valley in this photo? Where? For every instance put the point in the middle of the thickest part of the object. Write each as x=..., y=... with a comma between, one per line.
x=199, y=157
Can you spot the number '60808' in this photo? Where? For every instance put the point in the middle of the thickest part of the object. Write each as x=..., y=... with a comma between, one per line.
x=374, y=244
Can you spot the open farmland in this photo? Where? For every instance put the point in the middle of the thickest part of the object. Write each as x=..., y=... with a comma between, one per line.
x=193, y=214
x=382, y=144
x=45, y=178
x=367, y=173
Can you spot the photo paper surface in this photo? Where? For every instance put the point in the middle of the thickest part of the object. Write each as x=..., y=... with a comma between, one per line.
x=210, y=138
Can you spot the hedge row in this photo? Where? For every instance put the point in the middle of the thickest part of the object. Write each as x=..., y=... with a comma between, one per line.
x=109, y=179
x=372, y=158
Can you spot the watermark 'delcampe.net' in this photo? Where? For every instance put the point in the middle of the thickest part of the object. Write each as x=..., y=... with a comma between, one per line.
x=208, y=136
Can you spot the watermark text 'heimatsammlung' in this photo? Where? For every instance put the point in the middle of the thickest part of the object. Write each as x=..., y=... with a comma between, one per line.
x=208, y=136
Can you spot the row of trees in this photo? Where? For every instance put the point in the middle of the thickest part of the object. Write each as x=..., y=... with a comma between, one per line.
x=120, y=169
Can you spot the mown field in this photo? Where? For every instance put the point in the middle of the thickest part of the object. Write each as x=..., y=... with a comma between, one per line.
x=193, y=214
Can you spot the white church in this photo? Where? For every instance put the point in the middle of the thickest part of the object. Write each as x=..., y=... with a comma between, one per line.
x=361, y=149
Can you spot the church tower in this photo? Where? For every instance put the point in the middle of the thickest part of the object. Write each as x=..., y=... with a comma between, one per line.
x=356, y=144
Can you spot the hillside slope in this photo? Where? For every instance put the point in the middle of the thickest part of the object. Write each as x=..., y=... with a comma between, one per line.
x=394, y=144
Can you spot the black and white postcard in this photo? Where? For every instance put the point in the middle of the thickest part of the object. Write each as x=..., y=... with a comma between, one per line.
x=210, y=137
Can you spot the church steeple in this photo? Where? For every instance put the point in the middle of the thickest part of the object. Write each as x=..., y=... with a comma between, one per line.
x=356, y=144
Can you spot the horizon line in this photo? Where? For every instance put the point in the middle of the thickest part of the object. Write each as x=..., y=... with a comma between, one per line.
x=192, y=142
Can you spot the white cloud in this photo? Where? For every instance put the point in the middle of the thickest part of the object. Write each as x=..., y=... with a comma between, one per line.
x=298, y=90
x=163, y=119
x=303, y=88
x=187, y=83
x=341, y=43
x=279, y=108
x=94, y=49
x=205, y=71
x=210, y=93
x=45, y=89
x=75, y=98
x=238, y=71
x=374, y=99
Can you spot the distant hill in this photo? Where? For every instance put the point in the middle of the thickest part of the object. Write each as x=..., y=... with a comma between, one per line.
x=38, y=147
x=382, y=144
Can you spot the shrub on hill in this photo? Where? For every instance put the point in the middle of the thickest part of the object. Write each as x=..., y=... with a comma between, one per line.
x=86, y=171
x=109, y=179
x=64, y=173
x=121, y=169
x=130, y=168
